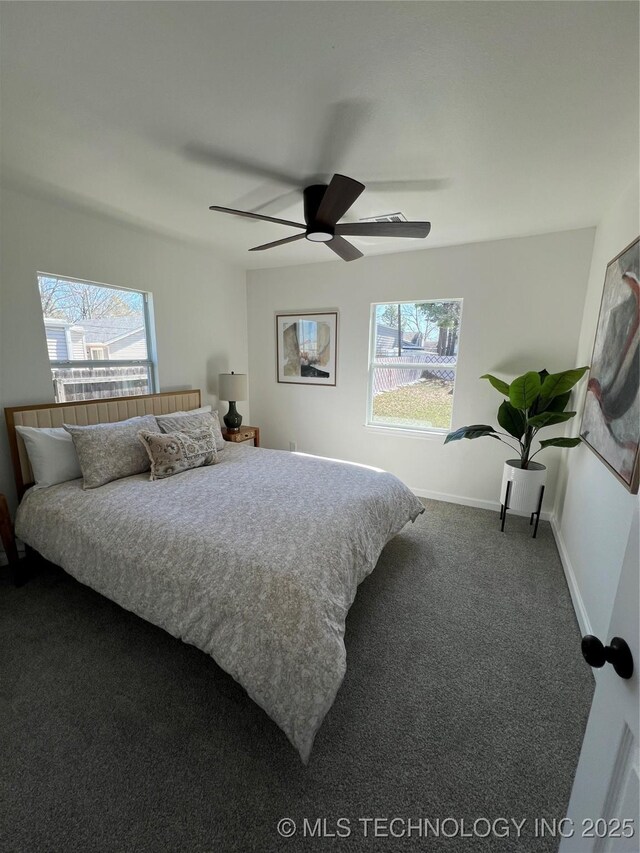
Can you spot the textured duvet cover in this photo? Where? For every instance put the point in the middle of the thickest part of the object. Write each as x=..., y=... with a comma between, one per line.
x=256, y=561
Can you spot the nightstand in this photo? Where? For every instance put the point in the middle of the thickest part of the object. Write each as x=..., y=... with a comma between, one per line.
x=6, y=533
x=246, y=433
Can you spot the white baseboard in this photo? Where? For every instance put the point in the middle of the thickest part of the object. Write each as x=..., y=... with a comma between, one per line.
x=545, y=515
x=576, y=598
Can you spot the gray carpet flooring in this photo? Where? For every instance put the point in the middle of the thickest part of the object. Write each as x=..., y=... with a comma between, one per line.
x=465, y=698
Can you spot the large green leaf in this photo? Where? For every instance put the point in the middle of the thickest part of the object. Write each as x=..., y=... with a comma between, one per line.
x=559, y=383
x=513, y=420
x=560, y=442
x=473, y=431
x=524, y=390
x=558, y=404
x=549, y=418
x=498, y=384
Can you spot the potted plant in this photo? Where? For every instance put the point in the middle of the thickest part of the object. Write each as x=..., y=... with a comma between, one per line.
x=533, y=401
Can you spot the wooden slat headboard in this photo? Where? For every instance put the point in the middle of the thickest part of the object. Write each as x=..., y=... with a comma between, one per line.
x=83, y=413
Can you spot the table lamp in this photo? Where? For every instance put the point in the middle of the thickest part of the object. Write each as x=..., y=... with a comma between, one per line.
x=232, y=387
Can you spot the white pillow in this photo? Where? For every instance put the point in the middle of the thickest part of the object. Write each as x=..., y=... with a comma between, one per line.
x=52, y=456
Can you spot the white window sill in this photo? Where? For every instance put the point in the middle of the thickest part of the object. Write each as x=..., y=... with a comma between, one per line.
x=406, y=432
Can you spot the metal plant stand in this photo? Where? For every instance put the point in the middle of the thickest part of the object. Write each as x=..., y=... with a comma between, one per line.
x=505, y=506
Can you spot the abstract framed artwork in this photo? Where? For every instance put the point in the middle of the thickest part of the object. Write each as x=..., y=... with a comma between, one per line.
x=611, y=417
x=306, y=348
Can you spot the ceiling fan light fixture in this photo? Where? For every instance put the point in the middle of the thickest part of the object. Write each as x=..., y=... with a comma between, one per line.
x=319, y=236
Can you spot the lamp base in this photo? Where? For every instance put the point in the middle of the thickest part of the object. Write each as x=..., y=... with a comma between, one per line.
x=233, y=418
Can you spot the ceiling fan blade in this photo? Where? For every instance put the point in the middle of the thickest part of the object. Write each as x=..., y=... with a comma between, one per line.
x=222, y=159
x=278, y=243
x=250, y=215
x=425, y=185
x=281, y=202
x=384, y=229
x=344, y=249
x=338, y=198
x=343, y=125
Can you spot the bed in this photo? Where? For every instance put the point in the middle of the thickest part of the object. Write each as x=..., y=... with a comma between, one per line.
x=255, y=560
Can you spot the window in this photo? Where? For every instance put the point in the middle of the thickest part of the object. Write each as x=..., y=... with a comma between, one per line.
x=86, y=322
x=412, y=364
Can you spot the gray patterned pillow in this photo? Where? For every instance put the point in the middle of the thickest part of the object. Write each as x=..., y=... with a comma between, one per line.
x=110, y=451
x=188, y=421
x=173, y=452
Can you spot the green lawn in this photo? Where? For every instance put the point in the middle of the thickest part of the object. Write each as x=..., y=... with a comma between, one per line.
x=426, y=403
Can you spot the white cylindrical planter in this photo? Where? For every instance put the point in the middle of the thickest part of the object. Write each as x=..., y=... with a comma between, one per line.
x=524, y=494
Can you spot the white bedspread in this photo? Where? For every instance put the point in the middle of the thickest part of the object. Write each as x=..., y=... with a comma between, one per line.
x=256, y=561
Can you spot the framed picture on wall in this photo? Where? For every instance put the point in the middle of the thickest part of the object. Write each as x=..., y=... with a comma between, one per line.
x=306, y=346
x=611, y=418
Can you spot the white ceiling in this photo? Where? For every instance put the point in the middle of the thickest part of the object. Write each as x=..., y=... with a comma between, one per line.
x=526, y=111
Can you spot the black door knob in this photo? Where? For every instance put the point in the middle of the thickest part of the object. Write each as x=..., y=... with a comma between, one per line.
x=617, y=653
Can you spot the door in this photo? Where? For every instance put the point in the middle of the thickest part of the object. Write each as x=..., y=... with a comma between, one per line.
x=605, y=791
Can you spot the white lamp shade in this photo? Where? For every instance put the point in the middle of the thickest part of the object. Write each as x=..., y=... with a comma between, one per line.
x=232, y=386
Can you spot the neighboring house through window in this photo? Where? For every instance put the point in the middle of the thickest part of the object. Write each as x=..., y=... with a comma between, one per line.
x=412, y=364
x=86, y=322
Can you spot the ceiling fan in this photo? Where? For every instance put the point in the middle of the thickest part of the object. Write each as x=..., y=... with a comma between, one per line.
x=324, y=206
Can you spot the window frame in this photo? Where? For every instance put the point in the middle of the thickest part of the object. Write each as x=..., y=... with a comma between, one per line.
x=150, y=362
x=416, y=431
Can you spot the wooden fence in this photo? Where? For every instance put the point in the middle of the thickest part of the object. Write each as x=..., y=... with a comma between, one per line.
x=389, y=380
x=72, y=384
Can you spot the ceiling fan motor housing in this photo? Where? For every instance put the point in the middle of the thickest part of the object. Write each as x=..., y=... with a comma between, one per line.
x=317, y=232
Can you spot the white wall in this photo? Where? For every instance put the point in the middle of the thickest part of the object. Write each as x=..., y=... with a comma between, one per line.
x=199, y=301
x=523, y=303
x=594, y=511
